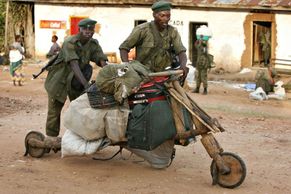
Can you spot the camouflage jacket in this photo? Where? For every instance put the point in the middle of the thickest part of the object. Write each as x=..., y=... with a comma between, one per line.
x=152, y=53
x=58, y=81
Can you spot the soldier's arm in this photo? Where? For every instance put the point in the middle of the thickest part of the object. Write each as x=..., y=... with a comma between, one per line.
x=74, y=64
x=124, y=55
x=97, y=54
x=130, y=42
x=180, y=50
x=183, y=61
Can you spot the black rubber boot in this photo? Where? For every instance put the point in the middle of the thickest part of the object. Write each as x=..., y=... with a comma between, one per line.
x=196, y=90
x=205, y=91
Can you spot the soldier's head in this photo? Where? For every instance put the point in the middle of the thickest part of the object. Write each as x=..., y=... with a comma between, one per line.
x=55, y=38
x=162, y=13
x=86, y=29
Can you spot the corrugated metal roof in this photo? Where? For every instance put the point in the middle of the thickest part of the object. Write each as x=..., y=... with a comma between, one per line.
x=284, y=5
x=247, y=4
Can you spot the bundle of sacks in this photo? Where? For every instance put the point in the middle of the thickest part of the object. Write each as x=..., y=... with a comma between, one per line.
x=204, y=33
x=122, y=80
x=260, y=94
x=89, y=129
x=279, y=91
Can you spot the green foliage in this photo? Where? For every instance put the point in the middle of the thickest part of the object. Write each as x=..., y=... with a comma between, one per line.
x=19, y=12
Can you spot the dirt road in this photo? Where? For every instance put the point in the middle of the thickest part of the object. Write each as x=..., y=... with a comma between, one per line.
x=259, y=132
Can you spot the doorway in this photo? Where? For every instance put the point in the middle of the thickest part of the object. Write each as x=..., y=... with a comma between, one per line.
x=138, y=22
x=262, y=32
x=74, y=20
x=193, y=26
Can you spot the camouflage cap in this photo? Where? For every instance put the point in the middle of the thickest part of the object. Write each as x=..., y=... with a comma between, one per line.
x=87, y=22
x=161, y=6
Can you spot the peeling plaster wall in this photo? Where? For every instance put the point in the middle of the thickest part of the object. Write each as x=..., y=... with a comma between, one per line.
x=116, y=24
x=226, y=45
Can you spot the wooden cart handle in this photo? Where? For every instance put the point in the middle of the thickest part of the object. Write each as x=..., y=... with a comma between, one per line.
x=165, y=73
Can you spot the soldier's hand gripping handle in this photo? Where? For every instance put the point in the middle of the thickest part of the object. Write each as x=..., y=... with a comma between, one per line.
x=78, y=73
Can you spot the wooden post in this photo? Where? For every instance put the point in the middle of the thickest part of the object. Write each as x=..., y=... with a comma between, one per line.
x=6, y=25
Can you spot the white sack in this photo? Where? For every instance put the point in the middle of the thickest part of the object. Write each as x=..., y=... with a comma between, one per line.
x=204, y=30
x=191, y=76
x=84, y=120
x=74, y=145
x=279, y=91
x=116, y=124
x=258, y=94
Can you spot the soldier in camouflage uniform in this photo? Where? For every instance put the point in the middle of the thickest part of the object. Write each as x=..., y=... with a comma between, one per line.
x=265, y=79
x=154, y=41
x=70, y=73
x=203, y=63
x=266, y=47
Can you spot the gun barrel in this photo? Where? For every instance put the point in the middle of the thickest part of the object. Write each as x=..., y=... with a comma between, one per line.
x=50, y=63
x=34, y=76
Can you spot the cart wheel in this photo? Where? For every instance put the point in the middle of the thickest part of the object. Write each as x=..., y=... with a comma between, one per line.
x=237, y=172
x=34, y=151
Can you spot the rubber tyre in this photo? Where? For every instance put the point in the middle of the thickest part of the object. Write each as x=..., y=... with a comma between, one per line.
x=237, y=173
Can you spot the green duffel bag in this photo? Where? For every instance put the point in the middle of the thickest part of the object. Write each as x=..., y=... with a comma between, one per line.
x=150, y=125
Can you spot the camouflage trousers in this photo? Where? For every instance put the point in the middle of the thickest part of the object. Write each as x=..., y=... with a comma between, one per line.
x=265, y=85
x=201, y=76
x=55, y=107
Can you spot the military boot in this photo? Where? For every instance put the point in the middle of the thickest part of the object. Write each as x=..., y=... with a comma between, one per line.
x=205, y=91
x=196, y=90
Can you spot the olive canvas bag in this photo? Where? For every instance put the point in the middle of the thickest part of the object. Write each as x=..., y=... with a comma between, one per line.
x=150, y=125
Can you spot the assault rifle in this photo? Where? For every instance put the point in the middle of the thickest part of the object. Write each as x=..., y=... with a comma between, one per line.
x=49, y=63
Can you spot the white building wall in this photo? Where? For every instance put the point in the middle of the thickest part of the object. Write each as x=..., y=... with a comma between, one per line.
x=283, y=49
x=227, y=44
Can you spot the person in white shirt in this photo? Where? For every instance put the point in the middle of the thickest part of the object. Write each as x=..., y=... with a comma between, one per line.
x=16, y=71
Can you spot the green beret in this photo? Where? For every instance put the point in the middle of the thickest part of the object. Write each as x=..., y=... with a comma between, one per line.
x=87, y=22
x=161, y=6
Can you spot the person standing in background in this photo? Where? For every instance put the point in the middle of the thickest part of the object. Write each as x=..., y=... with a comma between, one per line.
x=16, y=72
x=266, y=47
x=55, y=48
x=16, y=55
x=18, y=44
x=203, y=63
